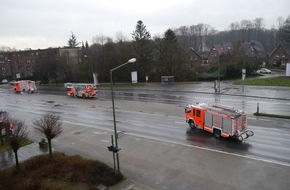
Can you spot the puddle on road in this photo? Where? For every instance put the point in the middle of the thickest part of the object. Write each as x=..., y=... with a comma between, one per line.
x=7, y=158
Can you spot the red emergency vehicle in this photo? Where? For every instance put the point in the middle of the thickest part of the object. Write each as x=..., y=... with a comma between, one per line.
x=81, y=90
x=222, y=121
x=24, y=86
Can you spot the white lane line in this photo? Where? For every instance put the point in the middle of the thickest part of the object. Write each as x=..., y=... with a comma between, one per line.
x=188, y=145
x=285, y=150
x=179, y=122
x=274, y=139
x=87, y=125
x=212, y=150
x=168, y=126
x=265, y=141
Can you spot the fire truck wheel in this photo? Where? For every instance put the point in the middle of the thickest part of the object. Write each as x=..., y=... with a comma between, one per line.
x=251, y=133
x=217, y=133
x=84, y=96
x=191, y=124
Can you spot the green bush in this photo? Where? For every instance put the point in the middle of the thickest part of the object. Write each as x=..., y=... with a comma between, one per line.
x=58, y=171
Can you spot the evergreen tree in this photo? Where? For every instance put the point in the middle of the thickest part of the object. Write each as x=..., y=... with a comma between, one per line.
x=72, y=42
x=171, y=57
x=143, y=50
x=141, y=32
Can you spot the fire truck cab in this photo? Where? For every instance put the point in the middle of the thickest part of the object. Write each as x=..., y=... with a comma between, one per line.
x=222, y=121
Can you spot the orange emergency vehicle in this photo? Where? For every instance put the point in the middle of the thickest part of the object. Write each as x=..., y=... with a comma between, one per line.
x=81, y=90
x=24, y=86
x=222, y=121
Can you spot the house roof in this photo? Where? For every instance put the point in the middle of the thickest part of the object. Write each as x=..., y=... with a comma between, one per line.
x=254, y=48
x=285, y=46
x=223, y=48
x=192, y=50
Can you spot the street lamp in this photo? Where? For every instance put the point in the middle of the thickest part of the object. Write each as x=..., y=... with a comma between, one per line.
x=116, y=149
x=219, y=90
x=91, y=62
x=95, y=79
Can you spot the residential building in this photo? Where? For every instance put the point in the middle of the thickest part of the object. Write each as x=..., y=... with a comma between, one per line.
x=280, y=55
x=20, y=64
x=217, y=50
x=193, y=58
x=254, y=49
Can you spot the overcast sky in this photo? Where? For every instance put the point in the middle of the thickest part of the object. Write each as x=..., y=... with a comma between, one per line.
x=48, y=23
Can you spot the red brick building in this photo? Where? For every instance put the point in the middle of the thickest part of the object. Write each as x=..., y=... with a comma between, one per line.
x=217, y=50
x=280, y=55
x=193, y=58
x=20, y=64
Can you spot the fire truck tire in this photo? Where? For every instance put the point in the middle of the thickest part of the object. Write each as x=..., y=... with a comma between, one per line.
x=251, y=133
x=240, y=138
x=191, y=124
x=84, y=96
x=217, y=133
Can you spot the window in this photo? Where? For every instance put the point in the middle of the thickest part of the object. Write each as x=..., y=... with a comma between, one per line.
x=193, y=112
x=197, y=113
x=187, y=110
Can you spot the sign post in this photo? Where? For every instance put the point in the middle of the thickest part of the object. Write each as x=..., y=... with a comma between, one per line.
x=243, y=77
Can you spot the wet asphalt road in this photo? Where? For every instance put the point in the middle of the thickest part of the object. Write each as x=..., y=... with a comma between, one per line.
x=270, y=143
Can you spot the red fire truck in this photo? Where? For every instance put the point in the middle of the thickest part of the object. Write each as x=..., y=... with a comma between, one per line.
x=81, y=90
x=222, y=121
x=24, y=86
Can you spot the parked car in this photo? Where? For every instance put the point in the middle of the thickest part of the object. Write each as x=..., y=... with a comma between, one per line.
x=4, y=81
x=264, y=70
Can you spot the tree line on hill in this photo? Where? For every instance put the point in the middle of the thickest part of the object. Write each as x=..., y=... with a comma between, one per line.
x=168, y=54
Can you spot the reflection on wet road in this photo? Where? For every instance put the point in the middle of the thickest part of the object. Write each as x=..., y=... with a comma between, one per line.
x=268, y=142
x=182, y=98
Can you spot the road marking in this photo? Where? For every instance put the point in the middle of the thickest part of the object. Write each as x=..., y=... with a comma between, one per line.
x=168, y=126
x=86, y=125
x=269, y=142
x=188, y=145
x=212, y=150
x=179, y=122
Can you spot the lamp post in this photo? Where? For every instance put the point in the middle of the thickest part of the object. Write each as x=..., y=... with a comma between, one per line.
x=91, y=62
x=114, y=115
x=219, y=87
x=95, y=76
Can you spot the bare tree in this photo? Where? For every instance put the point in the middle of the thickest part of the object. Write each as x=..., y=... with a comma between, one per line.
x=50, y=125
x=101, y=39
x=18, y=136
x=280, y=21
x=120, y=37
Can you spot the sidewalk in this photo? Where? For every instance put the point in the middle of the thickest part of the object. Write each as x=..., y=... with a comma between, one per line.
x=226, y=88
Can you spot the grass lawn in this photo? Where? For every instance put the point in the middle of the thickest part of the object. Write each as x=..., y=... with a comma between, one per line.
x=58, y=171
x=274, y=81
